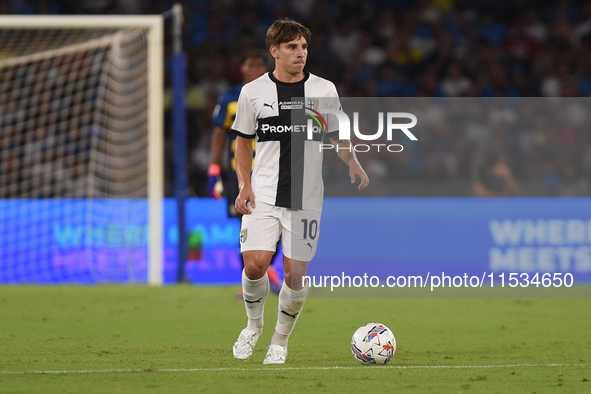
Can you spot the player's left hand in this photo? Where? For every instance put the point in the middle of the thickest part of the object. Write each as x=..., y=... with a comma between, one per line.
x=214, y=182
x=355, y=170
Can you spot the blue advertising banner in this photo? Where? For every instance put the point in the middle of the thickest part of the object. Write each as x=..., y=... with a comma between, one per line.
x=53, y=241
x=213, y=243
x=455, y=236
x=73, y=241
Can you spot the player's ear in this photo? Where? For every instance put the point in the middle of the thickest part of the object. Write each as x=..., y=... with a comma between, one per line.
x=274, y=51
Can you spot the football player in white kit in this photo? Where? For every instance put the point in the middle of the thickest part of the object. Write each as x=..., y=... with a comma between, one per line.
x=284, y=187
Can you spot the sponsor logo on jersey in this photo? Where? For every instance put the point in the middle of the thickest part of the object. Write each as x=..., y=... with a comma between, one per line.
x=291, y=104
x=297, y=128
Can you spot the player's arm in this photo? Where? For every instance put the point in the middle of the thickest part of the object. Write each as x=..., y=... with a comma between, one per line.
x=218, y=140
x=344, y=148
x=347, y=155
x=243, y=158
x=244, y=128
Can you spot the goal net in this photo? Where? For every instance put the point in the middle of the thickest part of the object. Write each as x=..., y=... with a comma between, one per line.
x=75, y=142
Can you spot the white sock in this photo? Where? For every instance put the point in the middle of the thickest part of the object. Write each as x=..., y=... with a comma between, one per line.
x=255, y=294
x=291, y=304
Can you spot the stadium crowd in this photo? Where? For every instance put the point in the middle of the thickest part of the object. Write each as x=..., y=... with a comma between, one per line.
x=404, y=48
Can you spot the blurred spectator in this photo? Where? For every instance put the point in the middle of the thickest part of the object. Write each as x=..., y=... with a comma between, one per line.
x=494, y=177
x=455, y=84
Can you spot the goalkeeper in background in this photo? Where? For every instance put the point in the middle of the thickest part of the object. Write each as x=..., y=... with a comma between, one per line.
x=254, y=64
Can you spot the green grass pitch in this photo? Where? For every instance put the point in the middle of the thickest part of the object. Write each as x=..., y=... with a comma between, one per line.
x=178, y=339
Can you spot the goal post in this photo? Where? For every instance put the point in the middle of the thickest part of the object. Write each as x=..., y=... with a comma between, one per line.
x=151, y=118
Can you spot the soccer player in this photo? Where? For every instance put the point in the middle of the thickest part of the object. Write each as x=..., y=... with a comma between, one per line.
x=254, y=65
x=279, y=199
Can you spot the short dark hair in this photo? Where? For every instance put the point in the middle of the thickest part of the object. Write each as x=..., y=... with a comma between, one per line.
x=255, y=53
x=285, y=30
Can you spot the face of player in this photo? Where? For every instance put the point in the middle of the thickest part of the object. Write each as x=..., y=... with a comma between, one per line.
x=253, y=68
x=291, y=56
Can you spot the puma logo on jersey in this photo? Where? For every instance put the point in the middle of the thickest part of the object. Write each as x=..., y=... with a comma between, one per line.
x=269, y=105
x=285, y=313
x=252, y=302
x=310, y=245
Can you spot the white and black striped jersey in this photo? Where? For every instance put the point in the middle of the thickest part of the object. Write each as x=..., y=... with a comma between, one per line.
x=287, y=169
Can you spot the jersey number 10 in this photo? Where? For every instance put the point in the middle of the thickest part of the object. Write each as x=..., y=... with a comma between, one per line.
x=310, y=229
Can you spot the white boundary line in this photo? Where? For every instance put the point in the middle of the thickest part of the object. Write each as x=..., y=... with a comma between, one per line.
x=230, y=369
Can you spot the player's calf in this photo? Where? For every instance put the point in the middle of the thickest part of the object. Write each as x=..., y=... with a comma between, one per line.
x=291, y=303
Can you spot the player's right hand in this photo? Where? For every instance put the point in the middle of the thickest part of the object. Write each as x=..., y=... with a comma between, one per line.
x=214, y=182
x=244, y=197
x=355, y=170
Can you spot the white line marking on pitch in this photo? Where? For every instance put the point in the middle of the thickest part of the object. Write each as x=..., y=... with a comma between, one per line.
x=291, y=368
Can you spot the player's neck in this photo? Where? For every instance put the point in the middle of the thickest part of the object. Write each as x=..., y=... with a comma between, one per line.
x=284, y=76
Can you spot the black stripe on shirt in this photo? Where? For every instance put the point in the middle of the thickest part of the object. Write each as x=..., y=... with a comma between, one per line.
x=239, y=134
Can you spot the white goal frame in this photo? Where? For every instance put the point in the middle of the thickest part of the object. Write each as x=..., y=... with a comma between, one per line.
x=155, y=78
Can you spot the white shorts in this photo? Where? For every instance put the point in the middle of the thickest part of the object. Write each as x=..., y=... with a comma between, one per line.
x=299, y=230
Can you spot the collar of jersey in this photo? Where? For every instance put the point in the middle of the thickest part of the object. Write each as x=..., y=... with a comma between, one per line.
x=278, y=82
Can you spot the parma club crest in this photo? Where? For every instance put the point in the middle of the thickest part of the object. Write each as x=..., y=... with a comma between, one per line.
x=312, y=103
x=243, y=235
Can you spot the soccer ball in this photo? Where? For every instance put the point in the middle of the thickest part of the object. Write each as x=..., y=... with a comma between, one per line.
x=373, y=343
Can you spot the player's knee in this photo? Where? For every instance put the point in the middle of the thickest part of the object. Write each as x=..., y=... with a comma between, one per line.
x=287, y=276
x=294, y=280
x=253, y=270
